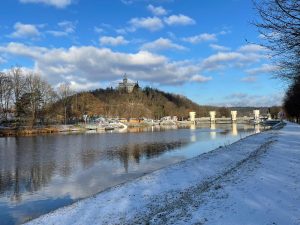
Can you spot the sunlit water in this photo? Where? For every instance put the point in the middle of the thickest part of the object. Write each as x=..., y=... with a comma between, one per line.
x=42, y=173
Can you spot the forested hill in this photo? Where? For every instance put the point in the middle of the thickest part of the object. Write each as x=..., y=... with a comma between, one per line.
x=146, y=102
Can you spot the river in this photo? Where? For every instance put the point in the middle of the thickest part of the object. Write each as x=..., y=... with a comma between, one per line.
x=39, y=174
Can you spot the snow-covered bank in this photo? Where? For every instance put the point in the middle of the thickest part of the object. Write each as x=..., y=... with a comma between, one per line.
x=253, y=181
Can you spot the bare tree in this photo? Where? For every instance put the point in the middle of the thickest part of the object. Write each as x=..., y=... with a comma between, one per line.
x=291, y=101
x=18, y=79
x=6, y=92
x=48, y=97
x=280, y=29
x=64, y=92
x=37, y=95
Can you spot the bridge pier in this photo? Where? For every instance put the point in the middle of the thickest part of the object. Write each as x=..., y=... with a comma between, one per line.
x=212, y=115
x=233, y=116
x=192, y=117
x=256, y=114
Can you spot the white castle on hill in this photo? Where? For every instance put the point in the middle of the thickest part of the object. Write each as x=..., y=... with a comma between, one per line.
x=126, y=85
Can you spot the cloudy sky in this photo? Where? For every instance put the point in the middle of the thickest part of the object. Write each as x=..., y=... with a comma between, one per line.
x=201, y=49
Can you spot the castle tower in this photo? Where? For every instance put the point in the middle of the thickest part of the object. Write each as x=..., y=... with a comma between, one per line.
x=125, y=79
x=126, y=85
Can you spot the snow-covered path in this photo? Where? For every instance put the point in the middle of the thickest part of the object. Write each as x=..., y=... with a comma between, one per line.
x=253, y=181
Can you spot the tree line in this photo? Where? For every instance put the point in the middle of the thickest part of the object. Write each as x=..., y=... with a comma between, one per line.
x=33, y=101
x=28, y=97
x=280, y=28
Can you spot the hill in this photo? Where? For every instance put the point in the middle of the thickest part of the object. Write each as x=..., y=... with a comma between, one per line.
x=146, y=102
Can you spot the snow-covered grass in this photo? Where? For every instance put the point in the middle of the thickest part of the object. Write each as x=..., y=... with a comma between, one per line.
x=253, y=181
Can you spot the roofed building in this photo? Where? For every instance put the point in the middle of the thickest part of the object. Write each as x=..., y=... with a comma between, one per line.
x=127, y=85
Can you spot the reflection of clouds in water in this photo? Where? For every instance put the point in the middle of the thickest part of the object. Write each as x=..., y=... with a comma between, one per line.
x=32, y=208
x=54, y=155
x=193, y=137
x=101, y=177
x=79, y=165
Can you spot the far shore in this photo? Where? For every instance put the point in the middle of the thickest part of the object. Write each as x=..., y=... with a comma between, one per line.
x=52, y=129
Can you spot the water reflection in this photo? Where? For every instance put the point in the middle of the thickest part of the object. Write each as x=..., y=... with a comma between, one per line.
x=257, y=128
x=193, y=126
x=55, y=170
x=29, y=167
x=213, y=133
x=234, y=129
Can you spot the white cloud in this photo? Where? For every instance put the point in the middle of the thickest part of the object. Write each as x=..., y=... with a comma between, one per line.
x=200, y=78
x=269, y=35
x=149, y=23
x=179, y=20
x=244, y=99
x=219, y=47
x=2, y=60
x=264, y=68
x=121, y=30
x=252, y=48
x=128, y=2
x=162, y=44
x=223, y=60
x=157, y=11
x=56, y=3
x=57, y=33
x=250, y=79
x=67, y=26
x=25, y=31
x=218, y=60
x=113, y=41
x=200, y=38
x=99, y=30
x=86, y=65
x=84, y=85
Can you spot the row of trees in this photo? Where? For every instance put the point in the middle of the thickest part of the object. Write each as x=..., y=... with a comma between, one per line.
x=31, y=100
x=28, y=97
x=280, y=27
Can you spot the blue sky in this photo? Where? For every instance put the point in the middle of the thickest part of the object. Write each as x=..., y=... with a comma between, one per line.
x=201, y=49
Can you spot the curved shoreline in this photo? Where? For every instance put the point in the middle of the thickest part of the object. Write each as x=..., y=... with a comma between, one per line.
x=166, y=195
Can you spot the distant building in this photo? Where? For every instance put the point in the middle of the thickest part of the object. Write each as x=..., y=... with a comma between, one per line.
x=127, y=85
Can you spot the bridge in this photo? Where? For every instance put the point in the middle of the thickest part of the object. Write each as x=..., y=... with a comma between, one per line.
x=233, y=119
x=244, y=119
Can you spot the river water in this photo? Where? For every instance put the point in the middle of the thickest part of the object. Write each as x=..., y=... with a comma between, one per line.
x=42, y=173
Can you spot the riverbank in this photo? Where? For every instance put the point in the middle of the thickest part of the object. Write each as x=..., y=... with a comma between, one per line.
x=28, y=131
x=50, y=129
x=253, y=181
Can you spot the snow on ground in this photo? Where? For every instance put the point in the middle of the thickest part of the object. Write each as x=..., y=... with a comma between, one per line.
x=253, y=181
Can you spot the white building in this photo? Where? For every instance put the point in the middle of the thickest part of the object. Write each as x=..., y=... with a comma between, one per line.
x=127, y=85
